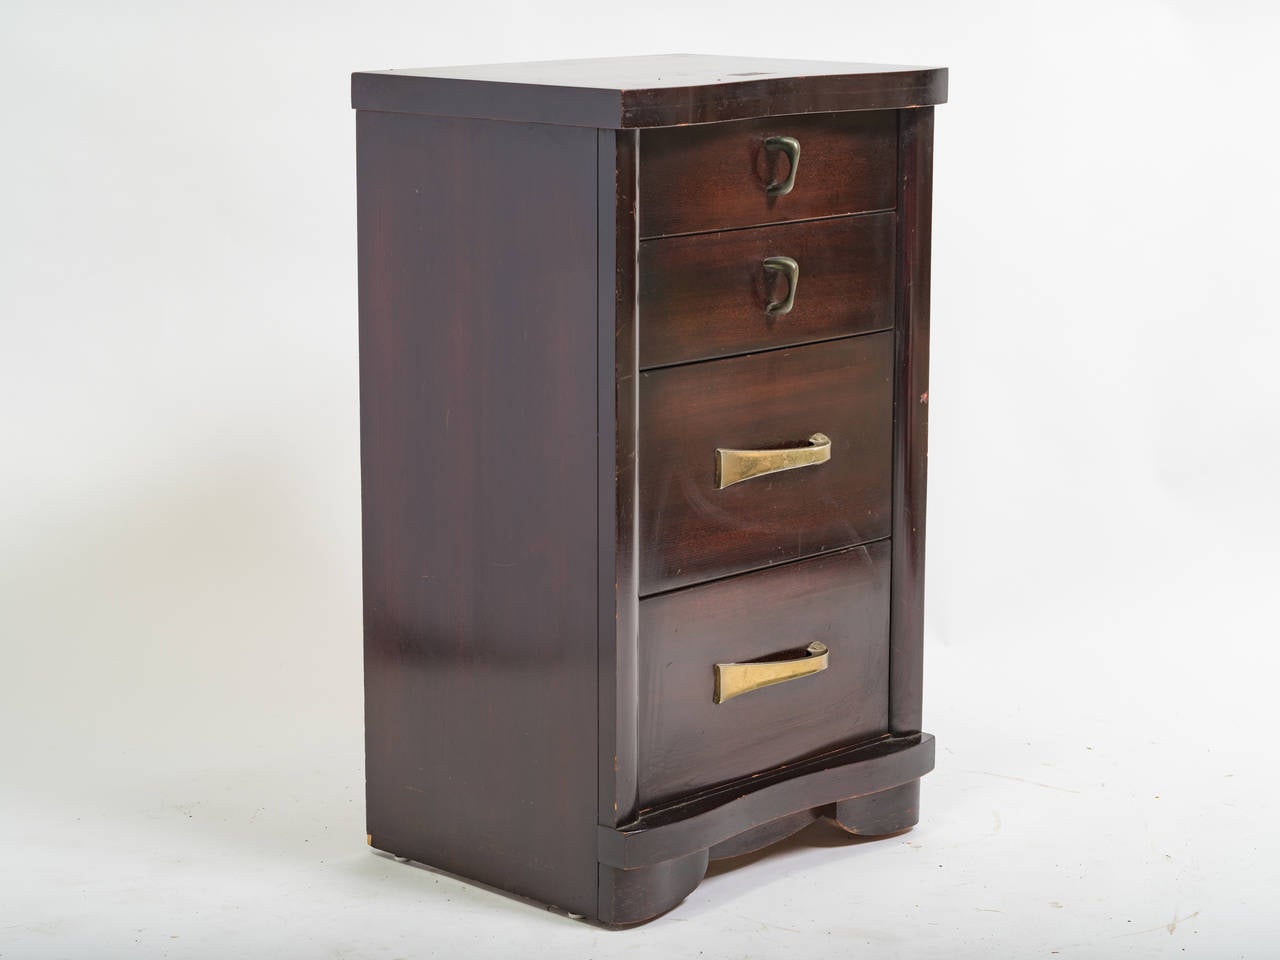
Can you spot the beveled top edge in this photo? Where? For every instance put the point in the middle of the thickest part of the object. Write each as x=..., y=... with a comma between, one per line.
x=648, y=91
x=651, y=72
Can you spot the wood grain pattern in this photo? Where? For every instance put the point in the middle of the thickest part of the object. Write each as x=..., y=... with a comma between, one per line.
x=911, y=417
x=707, y=295
x=479, y=694
x=647, y=91
x=713, y=177
x=715, y=103
x=690, y=531
x=689, y=743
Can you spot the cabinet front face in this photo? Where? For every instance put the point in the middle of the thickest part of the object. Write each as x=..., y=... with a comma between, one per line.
x=768, y=359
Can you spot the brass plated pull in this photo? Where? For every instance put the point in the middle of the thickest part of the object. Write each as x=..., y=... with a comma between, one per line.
x=735, y=679
x=734, y=466
x=791, y=147
x=791, y=270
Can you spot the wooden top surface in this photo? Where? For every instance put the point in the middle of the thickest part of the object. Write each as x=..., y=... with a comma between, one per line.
x=650, y=91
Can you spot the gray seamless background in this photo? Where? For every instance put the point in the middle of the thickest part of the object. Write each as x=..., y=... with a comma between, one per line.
x=180, y=701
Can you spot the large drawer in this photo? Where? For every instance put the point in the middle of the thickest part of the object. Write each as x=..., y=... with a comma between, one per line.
x=691, y=529
x=717, y=294
x=717, y=175
x=688, y=742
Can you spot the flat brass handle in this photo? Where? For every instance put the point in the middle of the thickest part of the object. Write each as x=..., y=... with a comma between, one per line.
x=735, y=679
x=734, y=466
x=791, y=147
x=791, y=270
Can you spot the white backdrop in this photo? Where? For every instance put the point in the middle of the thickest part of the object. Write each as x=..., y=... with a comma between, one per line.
x=179, y=513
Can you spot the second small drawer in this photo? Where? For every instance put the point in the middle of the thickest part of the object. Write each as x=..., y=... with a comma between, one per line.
x=717, y=294
x=751, y=461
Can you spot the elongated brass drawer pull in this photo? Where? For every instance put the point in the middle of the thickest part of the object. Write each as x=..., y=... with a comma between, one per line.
x=734, y=466
x=735, y=679
x=791, y=147
x=791, y=270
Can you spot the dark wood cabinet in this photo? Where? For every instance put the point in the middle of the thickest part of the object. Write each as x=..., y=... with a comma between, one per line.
x=644, y=394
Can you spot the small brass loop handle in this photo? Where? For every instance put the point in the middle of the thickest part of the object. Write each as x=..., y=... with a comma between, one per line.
x=735, y=679
x=791, y=270
x=734, y=466
x=791, y=147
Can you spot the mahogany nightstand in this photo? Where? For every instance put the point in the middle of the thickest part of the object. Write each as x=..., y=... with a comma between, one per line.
x=643, y=385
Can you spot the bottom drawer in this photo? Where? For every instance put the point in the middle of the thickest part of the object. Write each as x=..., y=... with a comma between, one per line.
x=688, y=741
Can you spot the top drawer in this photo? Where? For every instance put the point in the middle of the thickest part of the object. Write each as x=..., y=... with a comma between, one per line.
x=716, y=176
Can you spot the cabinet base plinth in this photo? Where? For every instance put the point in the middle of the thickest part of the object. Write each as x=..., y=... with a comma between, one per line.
x=764, y=835
x=631, y=897
x=647, y=868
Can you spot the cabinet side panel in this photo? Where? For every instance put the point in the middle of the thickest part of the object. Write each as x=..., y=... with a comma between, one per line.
x=911, y=417
x=478, y=352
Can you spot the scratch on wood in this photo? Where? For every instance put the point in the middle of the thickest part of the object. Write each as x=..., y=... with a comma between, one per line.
x=1171, y=926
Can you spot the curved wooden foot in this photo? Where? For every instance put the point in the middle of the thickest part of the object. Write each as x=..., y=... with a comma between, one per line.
x=879, y=814
x=628, y=897
x=648, y=866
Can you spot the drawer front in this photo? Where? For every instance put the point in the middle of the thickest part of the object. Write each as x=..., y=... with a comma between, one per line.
x=711, y=295
x=688, y=742
x=691, y=530
x=717, y=175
